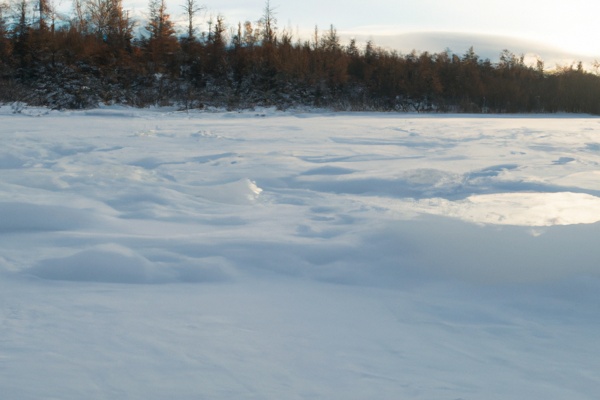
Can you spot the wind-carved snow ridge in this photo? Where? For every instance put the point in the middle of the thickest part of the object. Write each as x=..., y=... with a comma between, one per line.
x=105, y=263
x=113, y=263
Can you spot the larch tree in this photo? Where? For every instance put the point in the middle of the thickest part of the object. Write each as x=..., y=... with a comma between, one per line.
x=79, y=21
x=335, y=61
x=268, y=59
x=3, y=22
x=44, y=10
x=269, y=24
x=162, y=42
x=159, y=22
x=4, y=42
x=21, y=37
x=216, y=54
x=250, y=36
x=111, y=23
x=191, y=8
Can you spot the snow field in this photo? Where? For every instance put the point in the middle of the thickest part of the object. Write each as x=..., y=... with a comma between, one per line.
x=267, y=255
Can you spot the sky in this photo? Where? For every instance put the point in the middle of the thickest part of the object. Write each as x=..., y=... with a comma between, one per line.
x=559, y=32
x=568, y=25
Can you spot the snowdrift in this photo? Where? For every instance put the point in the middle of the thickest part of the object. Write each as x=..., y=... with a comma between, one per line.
x=156, y=254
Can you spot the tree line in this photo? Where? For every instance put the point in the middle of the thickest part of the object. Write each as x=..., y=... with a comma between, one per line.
x=99, y=53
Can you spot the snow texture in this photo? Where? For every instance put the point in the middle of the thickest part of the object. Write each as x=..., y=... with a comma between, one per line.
x=152, y=254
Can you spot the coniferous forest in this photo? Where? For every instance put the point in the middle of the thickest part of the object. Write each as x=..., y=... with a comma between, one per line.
x=99, y=54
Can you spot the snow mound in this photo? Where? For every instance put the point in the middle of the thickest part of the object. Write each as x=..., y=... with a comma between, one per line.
x=113, y=263
x=107, y=263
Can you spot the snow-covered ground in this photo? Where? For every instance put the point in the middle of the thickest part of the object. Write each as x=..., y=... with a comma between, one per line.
x=264, y=255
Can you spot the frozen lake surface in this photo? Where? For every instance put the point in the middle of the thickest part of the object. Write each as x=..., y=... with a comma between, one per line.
x=150, y=254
